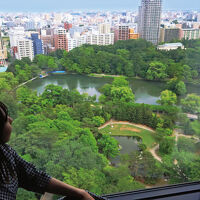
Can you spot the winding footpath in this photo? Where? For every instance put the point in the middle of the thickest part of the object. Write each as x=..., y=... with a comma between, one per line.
x=154, y=154
x=177, y=135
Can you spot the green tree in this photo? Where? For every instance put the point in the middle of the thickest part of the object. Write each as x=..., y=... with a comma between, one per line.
x=191, y=104
x=51, y=64
x=108, y=146
x=119, y=179
x=98, y=120
x=168, y=98
x=176, y=86
x=156, y=71
x=186, y=144
x=89, y=179
x=167, y=145
x=144, y=167
x=196, y=127
x=120, y=82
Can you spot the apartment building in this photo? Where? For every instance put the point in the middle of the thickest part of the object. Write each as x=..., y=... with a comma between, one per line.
x=24, y=49
x=121, y=32
x=104, y=28
x=100, y=39
x=169, y=34
x=60, y=39
x=190, y=34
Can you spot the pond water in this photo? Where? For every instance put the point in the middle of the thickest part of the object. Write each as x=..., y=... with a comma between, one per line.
x=3, y=69
x=145, y=91
x=128, y=145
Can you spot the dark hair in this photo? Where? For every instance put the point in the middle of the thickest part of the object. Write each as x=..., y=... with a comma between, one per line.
x=3, y=117
x=6, y=168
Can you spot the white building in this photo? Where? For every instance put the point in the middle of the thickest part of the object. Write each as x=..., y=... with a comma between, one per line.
x=104, y=28
x=81, y=40
x=72, y=43
x=60, y=31
x=170, y=46
x=24, y=49
x=15, y=34
x=100, y=39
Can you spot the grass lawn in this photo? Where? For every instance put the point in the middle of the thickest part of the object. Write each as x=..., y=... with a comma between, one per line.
x=147, y=137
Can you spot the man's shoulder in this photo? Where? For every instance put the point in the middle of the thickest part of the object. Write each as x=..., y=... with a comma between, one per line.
x=7, y=149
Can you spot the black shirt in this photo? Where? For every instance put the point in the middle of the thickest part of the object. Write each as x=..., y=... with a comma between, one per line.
x=27, y=176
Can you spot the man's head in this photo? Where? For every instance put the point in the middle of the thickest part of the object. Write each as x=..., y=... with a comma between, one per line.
x=5, y=124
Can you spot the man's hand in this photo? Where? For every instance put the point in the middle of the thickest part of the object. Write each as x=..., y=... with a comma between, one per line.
x=72, y=193
x=85, y=195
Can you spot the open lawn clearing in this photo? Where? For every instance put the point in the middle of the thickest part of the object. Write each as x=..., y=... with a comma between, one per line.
x=147, y=137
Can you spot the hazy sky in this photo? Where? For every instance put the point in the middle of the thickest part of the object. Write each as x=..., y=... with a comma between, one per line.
x=62, y=5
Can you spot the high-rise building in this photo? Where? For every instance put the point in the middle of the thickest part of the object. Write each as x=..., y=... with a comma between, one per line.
x=15, y=34
x=149, y=20
x=48, y=43
x=169, y=34
x=122, y=33
x=104, y=28
x=60, y=39
x=37, y=44
x=24, y=49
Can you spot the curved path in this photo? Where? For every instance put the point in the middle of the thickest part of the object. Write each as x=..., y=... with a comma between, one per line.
x=177, y=135
x=111, y=122
x=153, y=152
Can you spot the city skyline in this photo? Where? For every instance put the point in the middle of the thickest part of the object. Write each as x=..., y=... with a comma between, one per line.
x=63, y=5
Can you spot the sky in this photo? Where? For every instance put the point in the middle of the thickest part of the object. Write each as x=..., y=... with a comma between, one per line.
x=65, y=5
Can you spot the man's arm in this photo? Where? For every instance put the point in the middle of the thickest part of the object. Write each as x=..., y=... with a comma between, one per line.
x=57, y=187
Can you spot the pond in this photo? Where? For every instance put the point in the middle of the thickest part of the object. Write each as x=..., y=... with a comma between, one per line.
x=147, y=92
x=127, y=144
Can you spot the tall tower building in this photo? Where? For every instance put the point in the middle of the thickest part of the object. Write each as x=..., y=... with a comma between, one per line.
x=149, y=20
